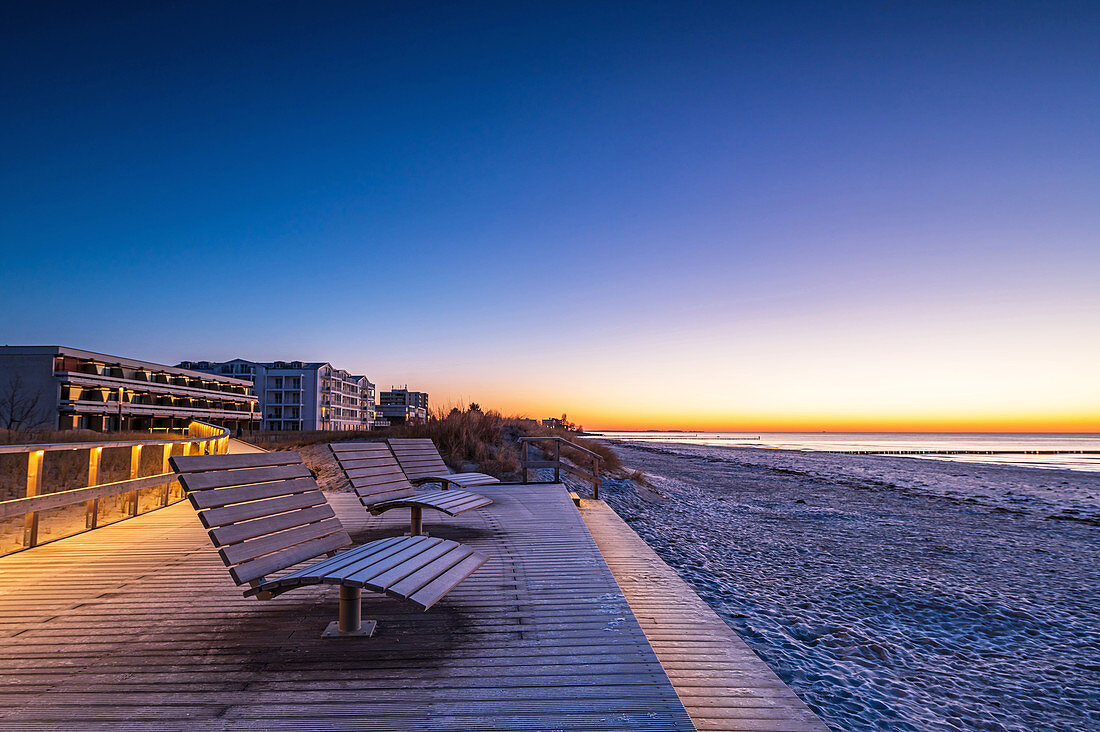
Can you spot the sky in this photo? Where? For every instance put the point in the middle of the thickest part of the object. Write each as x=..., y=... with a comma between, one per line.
x=722, y=216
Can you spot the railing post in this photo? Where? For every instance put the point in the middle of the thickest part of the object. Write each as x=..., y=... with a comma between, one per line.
x=523, y=459
x=34, y=486
x=166, y=452
x=557, y=461
x=91, y=508
x=596, y=478
x=135, y=467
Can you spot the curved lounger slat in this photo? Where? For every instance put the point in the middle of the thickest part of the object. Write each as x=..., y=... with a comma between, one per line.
x=451, y=503
x=406, y=567
x=266, y=514
x=459, y=479
x=421, y=462
x=380, y=484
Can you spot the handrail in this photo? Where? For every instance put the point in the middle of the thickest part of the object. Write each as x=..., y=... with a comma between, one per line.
x=567, y=442
x=204, y=438
x=556, y=463
x=52, y=446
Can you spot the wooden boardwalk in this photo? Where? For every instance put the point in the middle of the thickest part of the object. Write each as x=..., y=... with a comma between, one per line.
x=722, y=683
x=138, y=626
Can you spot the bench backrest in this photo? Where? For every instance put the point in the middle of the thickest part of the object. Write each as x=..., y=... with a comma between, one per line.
x=372, y=471
x=418, y=457
x=263, y=510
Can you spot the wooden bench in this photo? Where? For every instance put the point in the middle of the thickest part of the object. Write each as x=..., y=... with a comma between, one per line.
x=265, y=513
x=378, y=481
x=422, y=463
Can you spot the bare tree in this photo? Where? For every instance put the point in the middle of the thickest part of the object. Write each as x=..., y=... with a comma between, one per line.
x=20, y=406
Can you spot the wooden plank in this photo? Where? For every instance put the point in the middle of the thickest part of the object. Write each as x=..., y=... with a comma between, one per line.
x=249, y=550
x=452, y=499
x=358, y=447
x=204, y=463
x=362, y=575
x=431, y=561
x=232, y=478
x=473, y=479
x=235, y=533
x=344, y=559
x=388, y=471
x=387, y=500
x=215, y=517
x=265, y=565
x=435, y=590
x=419, y=577
x=366, y=462
x=240, y=494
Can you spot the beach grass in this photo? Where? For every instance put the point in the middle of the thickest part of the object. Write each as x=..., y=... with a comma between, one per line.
x=468, y=440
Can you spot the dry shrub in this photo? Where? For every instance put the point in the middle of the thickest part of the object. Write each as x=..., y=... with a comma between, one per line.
x=470, y=440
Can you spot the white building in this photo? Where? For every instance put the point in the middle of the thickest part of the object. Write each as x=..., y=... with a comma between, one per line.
x=302, y=396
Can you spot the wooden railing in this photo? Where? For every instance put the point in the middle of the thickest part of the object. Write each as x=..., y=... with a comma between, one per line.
x=530, y=464
x=200, y=438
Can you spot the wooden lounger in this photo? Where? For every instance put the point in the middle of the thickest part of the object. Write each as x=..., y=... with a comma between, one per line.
x=422, y=463
x=266, y=514
x=380, y=484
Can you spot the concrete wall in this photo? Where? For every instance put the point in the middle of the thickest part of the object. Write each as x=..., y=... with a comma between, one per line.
x=30, y=377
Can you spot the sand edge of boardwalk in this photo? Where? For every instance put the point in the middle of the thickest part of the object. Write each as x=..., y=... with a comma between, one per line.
x=723, y=684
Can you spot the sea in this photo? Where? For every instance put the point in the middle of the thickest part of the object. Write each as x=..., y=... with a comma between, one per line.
x=1062, y=451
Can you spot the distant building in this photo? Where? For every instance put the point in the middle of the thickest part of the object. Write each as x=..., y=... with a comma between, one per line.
x=55, y=387
x=302, y=396
x=399, y=405
x=367, y=403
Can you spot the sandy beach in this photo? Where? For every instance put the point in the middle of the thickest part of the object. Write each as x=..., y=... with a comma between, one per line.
x=891, y=593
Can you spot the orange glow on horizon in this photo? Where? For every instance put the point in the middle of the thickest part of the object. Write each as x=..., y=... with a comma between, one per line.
x=909, y=366
x=610, y=419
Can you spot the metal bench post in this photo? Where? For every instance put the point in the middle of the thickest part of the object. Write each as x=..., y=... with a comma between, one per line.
x=416, y=521
x=351, y=621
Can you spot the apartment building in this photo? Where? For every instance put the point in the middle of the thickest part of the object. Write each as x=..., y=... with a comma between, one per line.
x=400, y=405
x=367, y=403
x=302, y=395
x=56, y=387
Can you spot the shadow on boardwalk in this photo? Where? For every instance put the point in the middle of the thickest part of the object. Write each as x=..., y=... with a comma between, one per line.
x=137, y=625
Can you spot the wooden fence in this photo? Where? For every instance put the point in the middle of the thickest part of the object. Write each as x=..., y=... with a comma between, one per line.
x=530, y=463
x=159, y=489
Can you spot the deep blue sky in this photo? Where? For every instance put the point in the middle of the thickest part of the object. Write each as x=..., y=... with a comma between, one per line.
x=569, y=199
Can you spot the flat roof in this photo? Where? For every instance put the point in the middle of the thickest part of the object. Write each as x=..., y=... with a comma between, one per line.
x=115, y=361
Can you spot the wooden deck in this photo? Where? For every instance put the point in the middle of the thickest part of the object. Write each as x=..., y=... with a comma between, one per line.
x=138, y=626
x=722, y=683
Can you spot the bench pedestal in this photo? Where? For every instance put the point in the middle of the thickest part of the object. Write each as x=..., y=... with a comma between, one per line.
x=350, y=623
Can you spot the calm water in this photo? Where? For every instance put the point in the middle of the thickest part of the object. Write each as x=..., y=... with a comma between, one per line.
x=892, y=441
